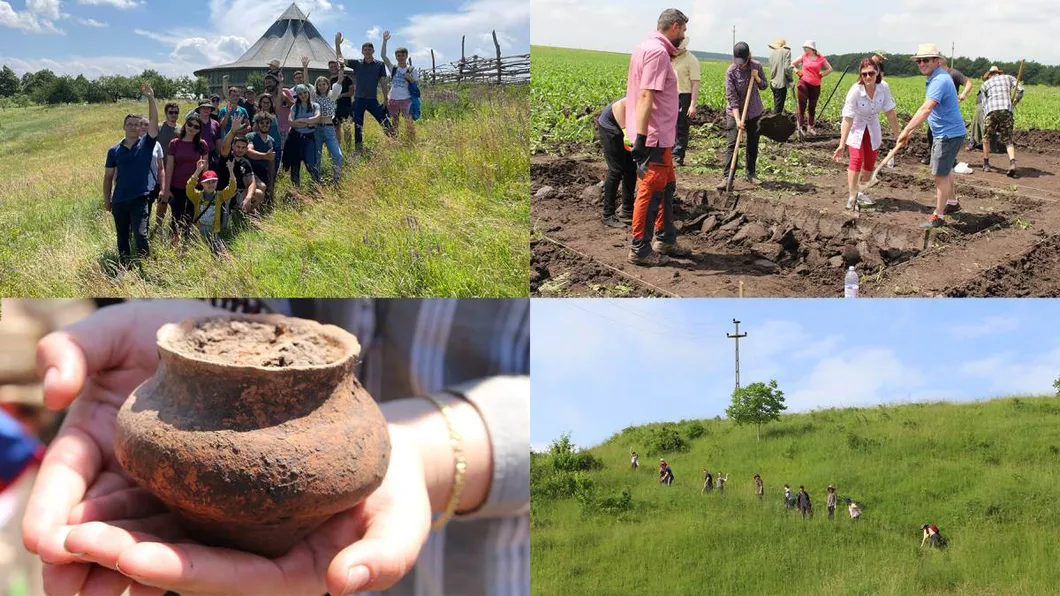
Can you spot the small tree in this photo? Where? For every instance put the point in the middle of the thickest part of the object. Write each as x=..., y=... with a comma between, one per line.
x=1056, y=385
x=9, y=82
x=756, y=404
x=256, y=80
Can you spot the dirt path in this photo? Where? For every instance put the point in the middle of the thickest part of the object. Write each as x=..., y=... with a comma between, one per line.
x=787, y=238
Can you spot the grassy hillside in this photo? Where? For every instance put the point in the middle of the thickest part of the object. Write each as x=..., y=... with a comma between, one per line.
x=986, y=473
x=445, y=216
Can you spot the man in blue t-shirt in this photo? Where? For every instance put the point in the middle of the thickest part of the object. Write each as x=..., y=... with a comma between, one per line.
x=942, y=111
x=130, y=162
x=369, y=75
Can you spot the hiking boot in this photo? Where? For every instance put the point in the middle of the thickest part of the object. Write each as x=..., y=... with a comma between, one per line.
x=752, y=179
x=953, y=207
x=652, y=259
x=670, y=249
x=679, y=161
x=987, y=168
x=934, y=222
x=850, y=202
x=723, y=184
x=863, y=199
x=612, y=222
x=1011, y=173
x=624, y=217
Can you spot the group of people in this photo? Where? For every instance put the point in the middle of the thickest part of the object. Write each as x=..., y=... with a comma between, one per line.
x=645, y=133
x=219, y=160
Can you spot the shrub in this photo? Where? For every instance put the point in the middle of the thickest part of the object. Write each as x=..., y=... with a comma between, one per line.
x=692, y=429
x=665, y=439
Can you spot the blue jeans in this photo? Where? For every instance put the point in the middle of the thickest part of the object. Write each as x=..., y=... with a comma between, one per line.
x=373, y=107
x=309, y=157
x=325, y=135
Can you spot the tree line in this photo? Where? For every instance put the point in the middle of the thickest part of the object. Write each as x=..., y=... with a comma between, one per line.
x=900, y=65
x=45, y=87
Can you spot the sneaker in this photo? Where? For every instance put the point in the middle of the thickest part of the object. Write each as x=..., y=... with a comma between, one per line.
x=850, y=202
x=925, y=160
x=987, y=168
x=934, y=222
x=863, y=199
x=953, y=207
x=612, y=222
x=623, y=217
x=1011, y=173
x=811, y=131
x=679, y=161
x=671, y=249
x=752, y=179
x=652, y=259
x=723, y=184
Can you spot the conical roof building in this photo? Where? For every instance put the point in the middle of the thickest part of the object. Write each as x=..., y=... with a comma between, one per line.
x=289, y=38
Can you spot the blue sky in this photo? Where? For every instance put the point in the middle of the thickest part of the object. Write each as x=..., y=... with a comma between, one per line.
x=600, y=365
x=97, y=37
x=1000, y=30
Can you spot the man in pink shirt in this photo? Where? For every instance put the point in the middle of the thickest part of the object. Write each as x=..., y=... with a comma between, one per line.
x=651, y=122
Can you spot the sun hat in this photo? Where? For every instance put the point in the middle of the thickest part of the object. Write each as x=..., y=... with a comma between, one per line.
x=205, y=104
x=275, y=63
x=208, y=175
x=779, y=43
x=926, y=50
x=993, y=71
x=810, y=44
x=301, y=89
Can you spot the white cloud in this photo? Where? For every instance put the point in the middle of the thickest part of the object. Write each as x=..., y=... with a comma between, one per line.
x=1005, y=374
x=863, y=376
x=442, y=31
x=208, y=52
x=988, y=326
x=1000, y=30
x=91, y=23
x=373, y=34
x=95, y=66
x=122, y=4
x=36, y=19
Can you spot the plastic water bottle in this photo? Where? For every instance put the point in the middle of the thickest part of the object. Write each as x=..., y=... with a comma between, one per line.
x=850, y=284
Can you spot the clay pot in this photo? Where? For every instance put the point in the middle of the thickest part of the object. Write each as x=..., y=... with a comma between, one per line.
x=254, y=430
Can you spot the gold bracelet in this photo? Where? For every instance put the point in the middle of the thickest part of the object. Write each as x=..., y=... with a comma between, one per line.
x=460, y=467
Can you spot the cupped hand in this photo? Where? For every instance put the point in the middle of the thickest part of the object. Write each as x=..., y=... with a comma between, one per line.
x=838, y=155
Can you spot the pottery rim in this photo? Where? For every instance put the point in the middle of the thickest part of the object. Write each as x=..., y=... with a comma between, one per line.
x=351, y=348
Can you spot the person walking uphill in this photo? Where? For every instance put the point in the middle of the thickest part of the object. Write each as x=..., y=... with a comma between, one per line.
x=998, y=103
x=651, y=124
x=943, y=114
x=861, y=134
x=802, y=502
x=780, y=73
x=814, y=68
x=742, y=72
x=130, y=161
x=759, y=487
x=620, y=167
x=831, y=502
x=687, y=68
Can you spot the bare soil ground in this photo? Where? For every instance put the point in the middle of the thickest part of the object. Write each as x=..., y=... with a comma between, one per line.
x=792, y=236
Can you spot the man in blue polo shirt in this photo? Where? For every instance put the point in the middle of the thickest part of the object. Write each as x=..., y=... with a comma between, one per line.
x=130, y=161
x=942, y=111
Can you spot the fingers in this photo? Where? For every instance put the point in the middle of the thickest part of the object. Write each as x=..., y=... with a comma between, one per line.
x=387, y=552
x=64, y=580
x=69, y=467
x=142, y=590
x=104, y=582
x=103, y=543
x=195, y=568
x=62, y=364
x=131, y=503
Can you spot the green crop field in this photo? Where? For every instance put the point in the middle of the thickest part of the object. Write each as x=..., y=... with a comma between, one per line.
x=986, y=473
x=430, y=218
x=570, y=86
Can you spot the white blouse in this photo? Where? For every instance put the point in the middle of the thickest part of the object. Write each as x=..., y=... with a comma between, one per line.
x=865, y=112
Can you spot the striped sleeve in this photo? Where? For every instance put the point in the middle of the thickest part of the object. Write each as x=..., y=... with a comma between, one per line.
x=504, y=403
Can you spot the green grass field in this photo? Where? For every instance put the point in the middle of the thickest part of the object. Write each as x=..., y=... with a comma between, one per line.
x=986, y=473
x=445, y=216
x=570, y=87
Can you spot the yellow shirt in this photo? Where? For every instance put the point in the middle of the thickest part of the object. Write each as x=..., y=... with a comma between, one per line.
x=219, y=199
x=687, y=68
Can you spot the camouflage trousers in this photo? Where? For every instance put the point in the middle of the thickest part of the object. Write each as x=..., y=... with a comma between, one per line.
x=999, y=122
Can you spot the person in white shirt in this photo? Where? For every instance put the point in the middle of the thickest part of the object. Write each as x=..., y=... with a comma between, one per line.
x=634, y=461
x=399, y=100
x=855, y=511
x=861, y=133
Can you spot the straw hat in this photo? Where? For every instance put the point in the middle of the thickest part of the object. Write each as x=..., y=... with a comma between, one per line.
x=779, y=43
x=926, y=50
x=881, y=55
x=993, y=71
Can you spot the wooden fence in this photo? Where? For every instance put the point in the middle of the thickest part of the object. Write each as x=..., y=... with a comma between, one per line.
x=499, y=69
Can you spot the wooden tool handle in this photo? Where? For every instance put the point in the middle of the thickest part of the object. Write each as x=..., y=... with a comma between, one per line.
x=743, y=119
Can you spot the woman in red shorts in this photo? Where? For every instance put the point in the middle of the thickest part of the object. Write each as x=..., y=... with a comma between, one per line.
x=814, y=68
x=861, y=134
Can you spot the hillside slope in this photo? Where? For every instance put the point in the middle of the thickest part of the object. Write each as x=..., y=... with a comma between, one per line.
x=986, y=473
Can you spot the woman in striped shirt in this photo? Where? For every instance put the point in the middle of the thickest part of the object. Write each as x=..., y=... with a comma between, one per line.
x=325, y=94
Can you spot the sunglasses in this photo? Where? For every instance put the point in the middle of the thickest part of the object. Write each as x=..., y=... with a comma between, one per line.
x=923, y=60
x=172, y=113
x=215, y=101
x=192, y=126
x=869, y=73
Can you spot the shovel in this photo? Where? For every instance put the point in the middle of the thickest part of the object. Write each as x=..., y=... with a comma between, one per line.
x=739, y=134
x=876, y=173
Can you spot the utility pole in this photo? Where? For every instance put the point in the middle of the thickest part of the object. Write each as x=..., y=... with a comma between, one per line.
x=952, y=46
x=734, y=35
x=737, y=337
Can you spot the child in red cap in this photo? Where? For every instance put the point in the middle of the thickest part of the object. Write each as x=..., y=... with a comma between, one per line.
x=208, y=203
